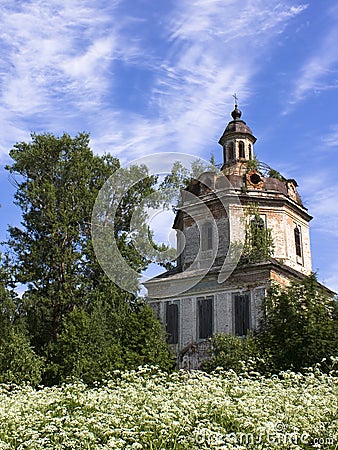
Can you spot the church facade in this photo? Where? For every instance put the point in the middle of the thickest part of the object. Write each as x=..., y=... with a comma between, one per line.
x=211, y=290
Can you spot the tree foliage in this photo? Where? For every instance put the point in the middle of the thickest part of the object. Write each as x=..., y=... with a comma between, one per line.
x=74, y=317
x=299, y=330
x=237, y=353
x=301, y=325
x=18, y=361
x=258, y=244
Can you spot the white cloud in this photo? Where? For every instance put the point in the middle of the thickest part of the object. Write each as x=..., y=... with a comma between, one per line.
x=229, y=21
x=331, y=139
x=217, y=48
x=331, y=277
x=207, y=60
x=55, y=61
x=316, y=74
x=58, y=72
x=320, y=189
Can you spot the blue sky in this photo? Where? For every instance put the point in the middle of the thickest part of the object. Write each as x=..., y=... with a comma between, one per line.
x=148, y=76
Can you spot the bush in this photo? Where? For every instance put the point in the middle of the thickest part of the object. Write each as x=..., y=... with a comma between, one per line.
x=237, y=353
x=18, y=361
x=94, y=343
x=300, y=330
x=301, y=325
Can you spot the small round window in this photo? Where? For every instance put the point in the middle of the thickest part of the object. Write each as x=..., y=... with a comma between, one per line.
x=255, y=178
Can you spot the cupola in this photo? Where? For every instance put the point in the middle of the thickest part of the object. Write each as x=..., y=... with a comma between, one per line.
x=237, y=142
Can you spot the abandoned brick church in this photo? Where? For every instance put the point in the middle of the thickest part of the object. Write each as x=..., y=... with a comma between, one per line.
x=207, y=293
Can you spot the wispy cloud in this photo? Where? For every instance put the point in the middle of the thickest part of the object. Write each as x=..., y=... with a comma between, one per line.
x=51, y=48
x=319, y=188
x=316, y=73
x=216, y=50
x=205, y=63
x=55, y=62
x=321, y=192
x=331, y=139
x=331, y=277
x=58, y=70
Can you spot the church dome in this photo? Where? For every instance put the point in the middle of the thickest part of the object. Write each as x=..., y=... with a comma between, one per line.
x=236, y=126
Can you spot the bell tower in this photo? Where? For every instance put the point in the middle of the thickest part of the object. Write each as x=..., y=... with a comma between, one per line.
x=237, y=141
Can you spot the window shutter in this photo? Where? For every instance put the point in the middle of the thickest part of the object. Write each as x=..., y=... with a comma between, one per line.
x=205, y=320
x=172, y=323
x=242, y=314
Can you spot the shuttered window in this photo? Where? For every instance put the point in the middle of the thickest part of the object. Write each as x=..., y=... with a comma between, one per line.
x=242, y=314
x=205, y=317
x=172, y=322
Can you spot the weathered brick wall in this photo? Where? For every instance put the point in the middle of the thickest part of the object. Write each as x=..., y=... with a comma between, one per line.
x=223, y=306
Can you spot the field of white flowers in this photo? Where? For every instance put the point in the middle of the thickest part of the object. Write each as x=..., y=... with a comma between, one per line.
x=148, y=409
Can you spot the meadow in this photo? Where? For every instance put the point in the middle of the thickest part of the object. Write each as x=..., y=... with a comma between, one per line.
x=150, y=409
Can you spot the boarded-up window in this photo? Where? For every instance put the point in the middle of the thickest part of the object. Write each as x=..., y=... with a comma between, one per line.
x=242, y=314
x=298, y=242
x=172, y=322
x=205, y=321
x=207, y=236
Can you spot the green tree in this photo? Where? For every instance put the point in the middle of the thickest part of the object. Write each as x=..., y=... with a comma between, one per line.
x=105, y=339
x=87, y=348
x=299, y=330
x=258, y=244
x=142, y=345
x=18, y=360
x=301, y=325
x=58, y=180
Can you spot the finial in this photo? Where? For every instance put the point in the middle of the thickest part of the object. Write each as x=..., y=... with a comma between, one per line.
x=236, y=113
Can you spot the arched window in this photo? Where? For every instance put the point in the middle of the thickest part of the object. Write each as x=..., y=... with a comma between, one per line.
x=256, y=233
x=298, y=241
x=241, y=149
x=231, y=152
x=250, y=151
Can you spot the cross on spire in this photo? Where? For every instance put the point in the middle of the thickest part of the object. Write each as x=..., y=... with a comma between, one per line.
x=236, y=99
